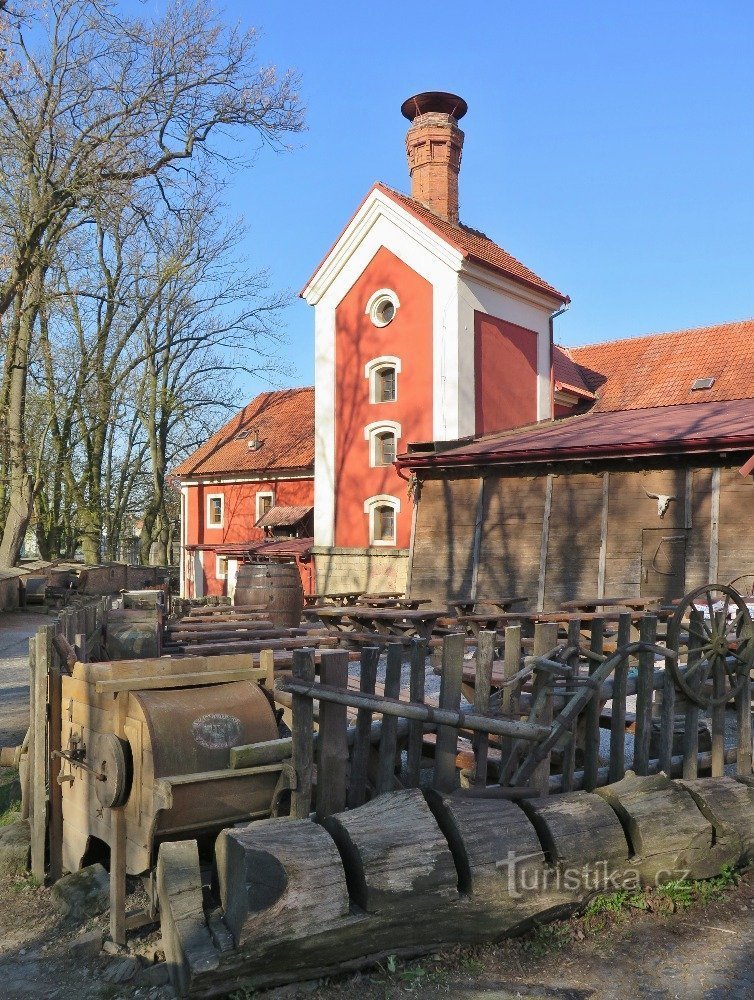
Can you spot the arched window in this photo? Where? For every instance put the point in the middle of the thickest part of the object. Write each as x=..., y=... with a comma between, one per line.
x=383, y=513
x=382, y=436
x=382, y=373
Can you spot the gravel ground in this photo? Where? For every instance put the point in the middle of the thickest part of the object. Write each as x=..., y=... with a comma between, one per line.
x=15, y=631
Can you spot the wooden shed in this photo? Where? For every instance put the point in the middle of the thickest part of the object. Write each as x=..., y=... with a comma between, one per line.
x=650, y=502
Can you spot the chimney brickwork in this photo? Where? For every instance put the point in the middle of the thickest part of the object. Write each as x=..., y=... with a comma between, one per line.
x=433, y=147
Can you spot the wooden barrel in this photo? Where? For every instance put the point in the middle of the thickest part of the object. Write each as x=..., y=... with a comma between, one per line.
x=273, y=587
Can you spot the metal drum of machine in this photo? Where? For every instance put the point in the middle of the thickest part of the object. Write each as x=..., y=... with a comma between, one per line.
x=275, y=587
x=162, y=755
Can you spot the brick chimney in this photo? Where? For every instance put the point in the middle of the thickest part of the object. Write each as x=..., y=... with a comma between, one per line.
x=433, y=146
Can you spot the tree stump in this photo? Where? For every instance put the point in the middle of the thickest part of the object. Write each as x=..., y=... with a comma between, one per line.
x=667, y=834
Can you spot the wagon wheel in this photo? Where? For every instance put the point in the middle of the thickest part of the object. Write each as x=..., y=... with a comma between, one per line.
x=718, y=650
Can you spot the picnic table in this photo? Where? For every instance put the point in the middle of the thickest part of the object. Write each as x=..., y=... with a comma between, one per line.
x=471, y=607
x=592, y=603
x=528, y=619
x=384, y=621
x=346, y=597
x=407, y=603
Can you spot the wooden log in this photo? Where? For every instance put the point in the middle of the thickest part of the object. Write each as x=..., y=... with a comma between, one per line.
x=42, y=661
x=545, y=639
x=388, y=741
x=193, y=627
x=233, y=635
x=446, y=777
x=728, y=805
x=569, y=748
x=362, y=743
x=186, y=940
x=332, y=746
x=668, y=835
x=54, y=735
x=582, y=835
x=280, y=881
x=509, y=695
x=254, y=754
x=691, y=722
x=592, y=711
x=396, y=858
x=303, y=730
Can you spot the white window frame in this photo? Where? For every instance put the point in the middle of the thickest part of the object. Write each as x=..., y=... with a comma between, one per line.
x=221, y=498
x=371, y=432
x=370, y=507
x=370, y=372
x=375, y=301
x=218, y=574
x=259, y=496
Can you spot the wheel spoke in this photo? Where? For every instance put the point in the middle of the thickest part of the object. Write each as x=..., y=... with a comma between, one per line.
x=699, y=635
x=710, y=605
x=692, y=669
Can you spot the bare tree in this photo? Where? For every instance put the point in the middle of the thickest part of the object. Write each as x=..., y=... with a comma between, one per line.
x=94, y=106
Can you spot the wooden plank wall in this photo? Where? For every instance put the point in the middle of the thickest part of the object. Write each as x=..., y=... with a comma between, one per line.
x=581, y=548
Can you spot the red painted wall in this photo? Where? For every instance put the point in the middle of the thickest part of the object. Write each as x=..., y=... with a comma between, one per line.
x=240, y=514
x=358, y=341
x=505, y=368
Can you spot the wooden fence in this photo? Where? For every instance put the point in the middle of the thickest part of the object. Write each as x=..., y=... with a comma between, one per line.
x=538, y=723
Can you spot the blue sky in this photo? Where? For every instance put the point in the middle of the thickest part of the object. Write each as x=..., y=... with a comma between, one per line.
x=608, y=146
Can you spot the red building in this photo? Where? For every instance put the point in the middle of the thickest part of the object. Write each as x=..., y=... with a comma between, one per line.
x=249, y=488
x=425, y=330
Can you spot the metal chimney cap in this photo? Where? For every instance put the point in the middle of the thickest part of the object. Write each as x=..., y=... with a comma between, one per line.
x=434, y=100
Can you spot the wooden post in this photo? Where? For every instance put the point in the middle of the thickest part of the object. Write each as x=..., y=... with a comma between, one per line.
x=417, y=683
x=691, y=722
x=118, y=843
x=508, y=696
x=569, y=749
x=362, y=737
x=717, y=712
x=545, y=639
x=485, y=652
x=303, y=735
x=602, y=561
x=81, y=646
x=592, y=713
x=644, y=687
x=743, y=721
x=267, y=663
x=445, y=778
x=55, y=689
x=617, y=768
x=544, y=543
x=388, y=737
x=332, y=744
x=28, y=801
x=714, y=546
x=477, y=541
x=42, y=659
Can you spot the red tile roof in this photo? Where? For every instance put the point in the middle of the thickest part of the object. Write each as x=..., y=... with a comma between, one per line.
x=659, y=370
x=659, y=430
x=284, y=420
x=473, y=245
x=568, y=374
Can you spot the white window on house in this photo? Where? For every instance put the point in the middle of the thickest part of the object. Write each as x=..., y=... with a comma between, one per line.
x=215, y=510
x=221, y=567
x=382, y=306
x=382, y=436
x=382, y=374
x=382, y=512
x=265, y=503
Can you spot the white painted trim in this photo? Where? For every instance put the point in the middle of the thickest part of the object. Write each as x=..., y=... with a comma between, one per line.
x=199, y=573
x=183, y=538
x=236, y=479
x=382, y=500
x=218, y=574
x=371, y=432
x=263, y=493
x=370, y=372
x=209, y=498
x=375, y=299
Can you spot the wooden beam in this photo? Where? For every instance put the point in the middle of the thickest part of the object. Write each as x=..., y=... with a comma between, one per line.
x=602, y=564
x=544, y=543
x=477, y=541
x=180, y=680
x=714, y=526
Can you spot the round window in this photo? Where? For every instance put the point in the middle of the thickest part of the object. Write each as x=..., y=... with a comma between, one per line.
x=383, y=310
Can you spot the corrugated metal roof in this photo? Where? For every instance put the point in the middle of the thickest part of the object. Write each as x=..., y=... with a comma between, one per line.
x=653, y=431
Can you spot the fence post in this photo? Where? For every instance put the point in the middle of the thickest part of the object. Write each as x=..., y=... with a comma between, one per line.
x=38, y=771
x=362, y=743
x=302, y=717
x=417, y=684
x=332, y=742
x=592, y=713
x=388, y=737
x=485, y=653
x=545, y=640
x=445, y=778
x=617, y=767
x=644, y=687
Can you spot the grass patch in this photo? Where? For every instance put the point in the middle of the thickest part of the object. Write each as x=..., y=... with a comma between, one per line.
x=10, y=815
x=681, y=893
x=547, y=938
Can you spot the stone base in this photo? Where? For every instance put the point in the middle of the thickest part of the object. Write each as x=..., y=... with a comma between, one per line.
x=375, y=570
